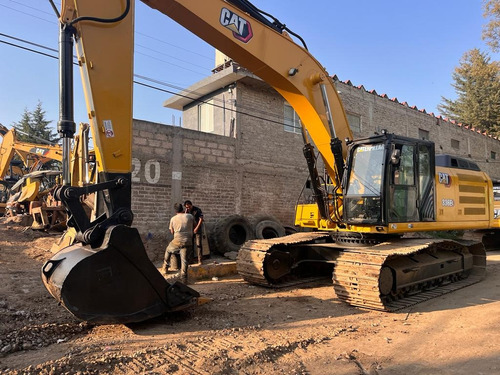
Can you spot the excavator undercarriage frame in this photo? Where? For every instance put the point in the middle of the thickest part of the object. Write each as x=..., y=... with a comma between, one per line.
x=388, y=276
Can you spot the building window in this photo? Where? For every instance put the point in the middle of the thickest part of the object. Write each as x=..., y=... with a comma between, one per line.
x=455, y=144
x=354, y=122
x=291, y=120
x=423, y=134
x=206, y=116
x=493, y=155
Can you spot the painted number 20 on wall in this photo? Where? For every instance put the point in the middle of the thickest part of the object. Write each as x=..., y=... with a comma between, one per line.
x=151, y=171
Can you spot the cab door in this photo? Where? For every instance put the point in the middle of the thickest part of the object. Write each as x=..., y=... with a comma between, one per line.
x=411, y=185
x=403, y=192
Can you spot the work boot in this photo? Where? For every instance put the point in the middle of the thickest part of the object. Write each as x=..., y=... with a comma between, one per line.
x=199, y=260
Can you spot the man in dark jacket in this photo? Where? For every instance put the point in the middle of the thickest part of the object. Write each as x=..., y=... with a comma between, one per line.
x=198, y=228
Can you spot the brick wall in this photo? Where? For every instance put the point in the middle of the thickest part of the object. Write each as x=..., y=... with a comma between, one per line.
x=172, y=164
x=261, y=169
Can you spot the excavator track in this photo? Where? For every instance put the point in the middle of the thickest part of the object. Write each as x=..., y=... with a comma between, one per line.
x=389, y=276
x=253, y=255
x=358, y=272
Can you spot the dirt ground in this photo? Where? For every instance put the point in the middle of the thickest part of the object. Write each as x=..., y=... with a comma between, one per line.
x=244, y=330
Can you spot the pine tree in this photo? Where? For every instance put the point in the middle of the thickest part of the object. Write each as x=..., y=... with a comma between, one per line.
x=34, y=124
x=41, y=124
x=477, y=84
x=491, y=31
x=24, y=125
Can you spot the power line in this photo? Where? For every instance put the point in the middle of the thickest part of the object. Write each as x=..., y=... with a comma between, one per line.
x=28, y=42
x=212, y=104
x=30, y=7
x=169, y=63
x=26, y=14
x=279, y=118
x=167, y=55
x=173, y=45
x=55, y=21
x=28, y=49
x=196, y=100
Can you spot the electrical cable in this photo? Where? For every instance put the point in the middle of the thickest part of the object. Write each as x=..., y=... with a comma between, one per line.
x=28, y=49
x=24, y=13
x=201, y=101
x=196, y=100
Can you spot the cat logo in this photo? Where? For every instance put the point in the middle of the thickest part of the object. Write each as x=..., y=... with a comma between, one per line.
x=39, y=151
x=444, y=178
x=239, y=26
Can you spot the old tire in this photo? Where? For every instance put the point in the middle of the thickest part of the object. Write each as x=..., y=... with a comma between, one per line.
x=266, y=226
x=230, y=233
x=269, y=229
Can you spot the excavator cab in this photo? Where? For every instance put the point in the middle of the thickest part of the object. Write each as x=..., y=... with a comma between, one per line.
x=389, y=179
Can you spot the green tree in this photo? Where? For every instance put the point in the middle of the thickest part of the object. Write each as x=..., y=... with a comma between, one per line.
x=34, y=124
x=477, y=84
x=491, y=31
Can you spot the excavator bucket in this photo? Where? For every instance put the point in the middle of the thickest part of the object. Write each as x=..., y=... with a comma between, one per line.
x=114, y=283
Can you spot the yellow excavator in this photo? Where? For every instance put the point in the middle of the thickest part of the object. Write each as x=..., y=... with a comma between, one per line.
x=27, y=165
x=32, y=155
x=18, y=158
x=378, y=190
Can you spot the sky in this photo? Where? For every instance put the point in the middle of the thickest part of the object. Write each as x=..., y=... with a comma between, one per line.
x=405, y=49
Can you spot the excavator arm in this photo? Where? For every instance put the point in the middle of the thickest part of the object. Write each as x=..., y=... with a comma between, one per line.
x=29, y=153
x=107, y=277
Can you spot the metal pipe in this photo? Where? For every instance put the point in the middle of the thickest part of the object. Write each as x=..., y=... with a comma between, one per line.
x=328, y=110
x=66, y=125
x=85, y=146
x=66, y=159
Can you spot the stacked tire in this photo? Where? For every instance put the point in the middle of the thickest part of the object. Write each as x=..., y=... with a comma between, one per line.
x=229, y=233
x=266, y=227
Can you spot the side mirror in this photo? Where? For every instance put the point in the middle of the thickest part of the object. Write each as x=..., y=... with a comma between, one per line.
x=395, y=156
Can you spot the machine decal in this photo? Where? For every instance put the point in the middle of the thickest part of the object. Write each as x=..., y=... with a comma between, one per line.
x=39, y=151
x=239, y=26
x=370, y=148
x=108, y=128
x=444, y=178
x=496, y=213
x=447, y=202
